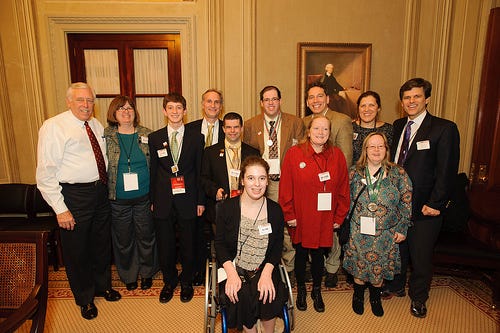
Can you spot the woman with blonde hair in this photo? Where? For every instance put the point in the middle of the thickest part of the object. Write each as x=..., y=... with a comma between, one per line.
x=379, y=221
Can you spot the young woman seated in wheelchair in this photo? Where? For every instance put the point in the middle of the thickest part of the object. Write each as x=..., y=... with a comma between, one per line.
x=248, y=245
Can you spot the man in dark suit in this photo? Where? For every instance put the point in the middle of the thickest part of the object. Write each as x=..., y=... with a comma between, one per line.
x=428, y=148
x=211, y=128
x=210, y=125
x=221, y=164
x=176, y=153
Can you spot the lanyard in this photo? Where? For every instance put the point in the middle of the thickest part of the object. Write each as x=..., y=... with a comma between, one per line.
x=129, y=152
x=374, y=188
x=275, y=127
x=320, y=168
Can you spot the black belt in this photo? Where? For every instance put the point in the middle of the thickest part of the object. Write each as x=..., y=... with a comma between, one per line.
x=246, y=275
x=91, y=184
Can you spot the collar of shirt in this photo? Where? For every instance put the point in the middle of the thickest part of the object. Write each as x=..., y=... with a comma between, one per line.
x=204, y=127
x=229, y=145
x=277, y=118
x=180, y=132
x=416, y=123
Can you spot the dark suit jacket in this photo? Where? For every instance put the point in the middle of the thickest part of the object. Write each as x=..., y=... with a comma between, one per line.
x=228, y=225
x=432, y=171
x=214, y=172
x=197, y=126
x=161, y=173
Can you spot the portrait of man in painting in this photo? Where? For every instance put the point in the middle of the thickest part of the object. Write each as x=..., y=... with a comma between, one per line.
x=344, y=69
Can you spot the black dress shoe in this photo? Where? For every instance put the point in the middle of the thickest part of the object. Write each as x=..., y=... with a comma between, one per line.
x=110, y=295
x=199, y=279
x=146, y=283
x=166, y=293
x=131, y=286
x=89, y=311
x=318, y=303
x=331, y=280
x=187, y=293
x=388, y=294
x=418, y=309
x=301, y=303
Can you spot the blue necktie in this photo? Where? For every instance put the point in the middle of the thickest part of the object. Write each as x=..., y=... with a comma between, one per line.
x=403, y=152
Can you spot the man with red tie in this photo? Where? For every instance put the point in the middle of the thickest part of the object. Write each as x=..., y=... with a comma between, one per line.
x=71, y=175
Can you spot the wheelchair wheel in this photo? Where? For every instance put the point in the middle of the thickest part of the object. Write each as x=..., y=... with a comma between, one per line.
x=210, y=296
x=288, y=315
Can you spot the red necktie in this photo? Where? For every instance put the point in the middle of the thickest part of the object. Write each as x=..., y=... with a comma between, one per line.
x=101, y=165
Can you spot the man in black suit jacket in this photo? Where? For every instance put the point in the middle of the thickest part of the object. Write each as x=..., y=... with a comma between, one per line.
x=219, y=178
x=211, y=104
x=211, y=128
x=176, y=153
x=431, y=161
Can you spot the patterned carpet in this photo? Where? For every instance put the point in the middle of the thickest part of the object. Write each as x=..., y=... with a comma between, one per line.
x=456, y=305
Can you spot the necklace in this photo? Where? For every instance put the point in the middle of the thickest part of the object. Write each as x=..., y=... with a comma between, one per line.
x=373, y=189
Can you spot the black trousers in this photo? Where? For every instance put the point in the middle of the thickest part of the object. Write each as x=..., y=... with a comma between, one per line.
x=418, y=248
x=317, y=264
x=87, y=248
x=167, y=253
x=201, y=251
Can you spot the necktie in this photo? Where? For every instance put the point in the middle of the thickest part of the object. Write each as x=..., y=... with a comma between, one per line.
x=273, y=149
x=234, y=165
x=403, y=151
x=101, y=165
x=174, y=147
x=210, y=134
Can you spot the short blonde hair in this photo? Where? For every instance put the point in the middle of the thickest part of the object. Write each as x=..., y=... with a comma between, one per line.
x=363, y=159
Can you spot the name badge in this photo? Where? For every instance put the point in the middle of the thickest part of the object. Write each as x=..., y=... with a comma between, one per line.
x=265, y=229
x=234, y=173
x=162, y=152
x=144, y=139
x=274, y=166
x=423, y=145
x=324, y=201
x=130, y=181
x=178, y=186
x=324, y=176
x=367, y=225
x=234, y=193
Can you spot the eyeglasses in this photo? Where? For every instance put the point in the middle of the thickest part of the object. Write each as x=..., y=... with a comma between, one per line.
x=373, y=147
x=83, y=100
x=267, y=100
x=122, y=109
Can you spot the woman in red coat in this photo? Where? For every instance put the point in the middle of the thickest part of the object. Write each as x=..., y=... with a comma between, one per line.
x=314, y=195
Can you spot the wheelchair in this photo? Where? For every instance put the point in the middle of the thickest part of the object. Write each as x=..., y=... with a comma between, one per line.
x=213, y=305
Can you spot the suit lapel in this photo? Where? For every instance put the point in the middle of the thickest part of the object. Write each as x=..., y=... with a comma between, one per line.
x=260, y=129
x=164, y=138
x=285, y=133
x=422, y=134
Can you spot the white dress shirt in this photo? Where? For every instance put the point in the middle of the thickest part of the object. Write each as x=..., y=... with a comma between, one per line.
x=267, y=127
x=215, y=130
x=179, y=137
x=414, y=128
x=65, y=155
